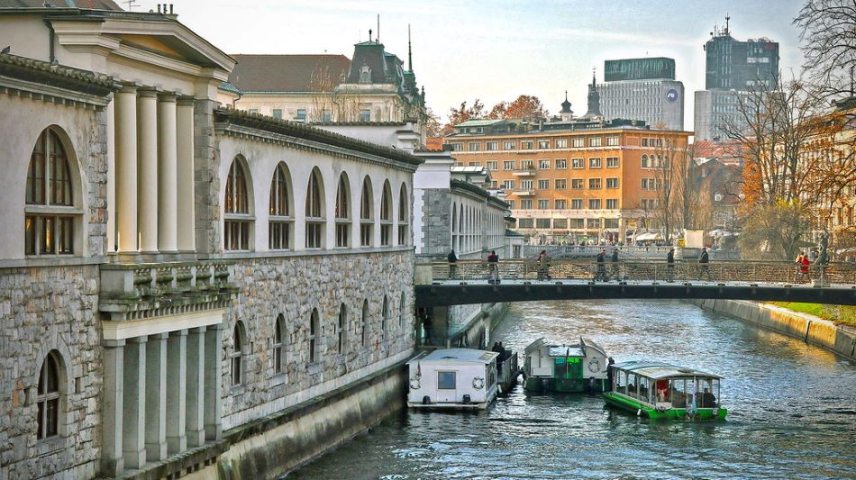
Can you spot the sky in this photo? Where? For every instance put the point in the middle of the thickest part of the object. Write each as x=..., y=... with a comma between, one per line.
x=497, y=50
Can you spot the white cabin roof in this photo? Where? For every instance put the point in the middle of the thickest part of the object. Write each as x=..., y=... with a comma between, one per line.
x=457, y=355
x=566, y=351
x=658, y=370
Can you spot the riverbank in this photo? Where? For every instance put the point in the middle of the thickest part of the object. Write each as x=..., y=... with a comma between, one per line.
x=811, y=329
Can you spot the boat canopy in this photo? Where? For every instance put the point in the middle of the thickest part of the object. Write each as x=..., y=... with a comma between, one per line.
x=658, y=370
x=578, y=350
x=457, y=355
x=566, y=351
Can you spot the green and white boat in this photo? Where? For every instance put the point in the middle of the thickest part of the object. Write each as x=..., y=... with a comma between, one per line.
x=660, y=390
x=565, y=368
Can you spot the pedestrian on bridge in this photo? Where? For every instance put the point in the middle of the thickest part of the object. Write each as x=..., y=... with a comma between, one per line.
x=543, y=266
x=601, y=267
x=704, y=263
x=493, y=268
x=670, y=265
x=615, y=267
x=453, y=264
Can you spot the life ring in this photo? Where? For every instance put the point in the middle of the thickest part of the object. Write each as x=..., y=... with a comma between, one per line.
x=415, y=384
x=594, y=365
x=478, y=383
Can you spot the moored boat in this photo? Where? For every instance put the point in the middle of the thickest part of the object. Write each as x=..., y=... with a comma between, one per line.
x=662, y=391
x=580, y=367
x=453, y=378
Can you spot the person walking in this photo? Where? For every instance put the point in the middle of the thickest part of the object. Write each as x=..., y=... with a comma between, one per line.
x=543, y=264
x=453, y=264
x=601, y=267
x=493, y=267
x=804, y=263
x=615, y=267
x=704, y=263
x=670, y=265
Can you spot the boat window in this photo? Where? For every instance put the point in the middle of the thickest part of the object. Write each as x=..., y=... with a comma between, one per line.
x=643, y=389
x=491, y=375
x=631, y=385
x=679, y=389
x=662, y=392
x=708, y=392
x=621, y=382
x=446, y=380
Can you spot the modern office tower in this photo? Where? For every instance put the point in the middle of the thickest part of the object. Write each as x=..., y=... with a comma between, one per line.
x=643, y=89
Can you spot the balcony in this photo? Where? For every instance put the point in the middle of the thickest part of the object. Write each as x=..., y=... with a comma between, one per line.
x=524, y=172
x=524, y=192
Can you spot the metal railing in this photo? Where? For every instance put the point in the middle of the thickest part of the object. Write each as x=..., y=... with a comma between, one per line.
x=647, y=271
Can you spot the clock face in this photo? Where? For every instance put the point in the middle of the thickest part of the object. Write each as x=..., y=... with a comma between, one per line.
x=672, y=95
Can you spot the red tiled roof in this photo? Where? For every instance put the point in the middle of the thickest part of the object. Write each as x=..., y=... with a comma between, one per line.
x=287, y=73
x=434, y=144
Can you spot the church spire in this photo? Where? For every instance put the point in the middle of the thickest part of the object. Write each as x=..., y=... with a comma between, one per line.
x=593, y=98
x=409, y=51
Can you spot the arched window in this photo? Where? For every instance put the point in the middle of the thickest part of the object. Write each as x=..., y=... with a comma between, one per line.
x=315, y=211
x=455, y=227
x=278, y=342
x=237, y=221
x=314, y=335
x=48, y=397
x=402, y=307
x=384, y=320
x=364, y=324
x=403, y=216
x=645, y=161
x=366, y=214
x=343, y=213
x=281, y=215
x=50, y=215
x=238, y=347
x=342, y=328
x=386, y=216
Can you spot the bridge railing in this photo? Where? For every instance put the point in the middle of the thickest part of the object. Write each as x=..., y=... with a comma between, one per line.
x=582, y=269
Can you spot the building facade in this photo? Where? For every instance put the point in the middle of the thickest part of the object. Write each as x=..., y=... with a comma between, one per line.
x=178, y=278
x=578, y=181
x=643, y=89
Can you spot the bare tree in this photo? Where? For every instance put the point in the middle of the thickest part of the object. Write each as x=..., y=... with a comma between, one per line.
x=828, y=33
x=677, y=200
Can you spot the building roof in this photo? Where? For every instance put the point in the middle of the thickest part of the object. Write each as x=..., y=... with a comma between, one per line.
x=481, y=122
x=288, y=73
x=457, y=355
x=84, y=4
x=54, y=75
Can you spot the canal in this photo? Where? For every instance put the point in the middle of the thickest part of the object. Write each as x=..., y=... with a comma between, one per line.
x=792, y=410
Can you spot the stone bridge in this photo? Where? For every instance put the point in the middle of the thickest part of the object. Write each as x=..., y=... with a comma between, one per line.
x=468, y=282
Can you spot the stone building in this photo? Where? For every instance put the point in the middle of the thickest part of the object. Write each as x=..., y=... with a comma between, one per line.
x=176, y=278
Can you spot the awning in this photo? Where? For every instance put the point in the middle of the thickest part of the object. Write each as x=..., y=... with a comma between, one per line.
x=721, y=233
x=647, y=236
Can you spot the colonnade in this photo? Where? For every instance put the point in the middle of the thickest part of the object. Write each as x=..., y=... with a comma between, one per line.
x=161, y=396
x=154, y=171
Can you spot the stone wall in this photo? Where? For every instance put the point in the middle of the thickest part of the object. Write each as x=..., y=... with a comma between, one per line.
x=42, y=310
x=437, y=223
x=293, y=286
x=206, y=157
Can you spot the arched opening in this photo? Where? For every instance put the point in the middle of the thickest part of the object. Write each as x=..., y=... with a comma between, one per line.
x=343, y=212
x=384, y=320
x=278, y=345
x=237, y=221
x=314, y=335
x=402, y=307
x=281, y=215
x=386, y=216
x=342, y=328
x=238, y=351
x=366, y=214
x=364, y=324
x=315, y=211
x=403, y=216
x=48, y=396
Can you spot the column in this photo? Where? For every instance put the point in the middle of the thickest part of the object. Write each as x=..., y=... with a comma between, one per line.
x=156, y=397
x=147, y=183
x=213, y=379
x=112, y=462
x=167, y=174
x=186, y=201
x=195, y=387
x=126, y=168
x=134, y=403
x=176, y=391
x=111, y=177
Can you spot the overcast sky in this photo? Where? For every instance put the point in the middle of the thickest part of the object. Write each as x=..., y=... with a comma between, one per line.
x=497, y=50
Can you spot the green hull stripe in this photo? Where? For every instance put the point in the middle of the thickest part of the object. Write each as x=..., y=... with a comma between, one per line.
x=634, y=406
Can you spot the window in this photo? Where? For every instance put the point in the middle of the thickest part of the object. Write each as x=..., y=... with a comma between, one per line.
x=277, y=113
x=561, y=184
x=542, y=223
x=386, y=216
x=649, y=204
x=508, y=165
x=279, y=209
x=403, y=216
x=490, y=146
x=578, y=163
x=612, y=183
x=649, y=184
x=48, y=397
x=577, y=204
x=366, y=214
x=612, y=203
x=254, y=111
x=457, y=147
x=645, y=163
x=510, y=204
x=508, y=184
x=402, y=307
x=526, y=145
x=525, y=223
x=561, y=143
x=278, y=336
x=560, y=223
x=327, y=116
x=612, y=141
x=526, y=185
x=366, y=115
x=544, y=164
x=473, y=147
x=594, y=141
x=526, y=204
x=364, y=324
x=561, y=164
x=527, y=164
x=343, y=213
x=594, y=203
x=578, y=222
x=237, y=352
x=594, y=184
x=610, y=222
x=474, y=164
x=301, y=115
x=314, y=211
x=578, y=142
x=577, y=184
x=50, y=216
x=237, y=220
x=446, y=381
x=543, y=144
x=342, y=328
x=508, y=146
x=543, y=204
x=491, y=165
x=612, y=162
x=365, y=74
x=595, y=163
x=384, y=319
x=543, y=184
x=314, y=335
x=561, y=204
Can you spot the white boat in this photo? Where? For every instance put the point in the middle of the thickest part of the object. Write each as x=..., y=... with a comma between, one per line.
x=452, y=378
x=581, y=367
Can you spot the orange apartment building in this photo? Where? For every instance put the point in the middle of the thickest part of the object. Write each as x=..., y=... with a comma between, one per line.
x=578, y=180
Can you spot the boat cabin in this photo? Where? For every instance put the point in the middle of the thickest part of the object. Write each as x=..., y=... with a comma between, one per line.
x=661, y=390
x=580, y=367
x=455, y=378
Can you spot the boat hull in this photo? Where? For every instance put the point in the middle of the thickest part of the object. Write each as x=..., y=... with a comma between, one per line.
x=564, y=385
x=641, y=409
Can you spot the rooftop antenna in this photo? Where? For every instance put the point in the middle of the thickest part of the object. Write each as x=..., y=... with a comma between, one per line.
x=727, y=18
x=131, y=4
x=409, y=51
x=378, y=28
x=370, y=35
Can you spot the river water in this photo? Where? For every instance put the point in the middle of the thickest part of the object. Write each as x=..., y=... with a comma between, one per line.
x=792, y=410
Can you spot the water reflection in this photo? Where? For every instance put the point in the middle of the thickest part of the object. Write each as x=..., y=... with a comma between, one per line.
x=792, y=410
